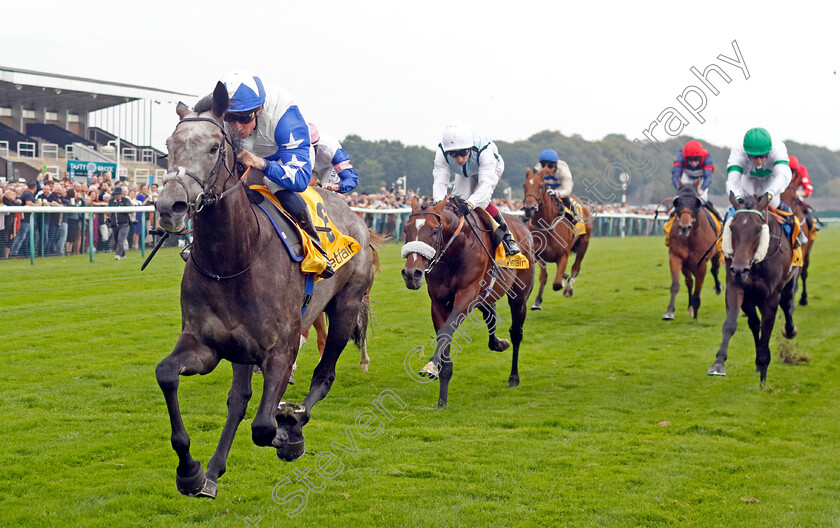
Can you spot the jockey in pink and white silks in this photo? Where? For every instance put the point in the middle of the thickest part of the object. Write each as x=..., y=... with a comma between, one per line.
x=275, y=140
x=477, y=167
x=760, y=166
x=330, y=163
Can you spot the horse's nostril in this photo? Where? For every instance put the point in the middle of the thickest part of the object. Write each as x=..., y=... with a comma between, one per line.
x=179, y=207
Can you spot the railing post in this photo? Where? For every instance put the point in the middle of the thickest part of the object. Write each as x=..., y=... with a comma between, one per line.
x=90, y=235
x=143, y=234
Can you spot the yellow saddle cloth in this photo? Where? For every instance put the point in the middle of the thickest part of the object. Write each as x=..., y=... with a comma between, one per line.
x=340, y=248
x=797, y=258
x=579, y=227
x=518, y=261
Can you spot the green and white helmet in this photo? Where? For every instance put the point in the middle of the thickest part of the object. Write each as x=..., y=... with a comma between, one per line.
x=757, y=142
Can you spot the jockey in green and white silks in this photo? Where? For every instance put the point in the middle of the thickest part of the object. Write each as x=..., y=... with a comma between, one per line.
x=758, y=166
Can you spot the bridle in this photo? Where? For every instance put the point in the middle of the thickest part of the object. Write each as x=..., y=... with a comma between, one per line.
x=683, y=209
x=208, y=195
x=438, y=234
x=539, y=198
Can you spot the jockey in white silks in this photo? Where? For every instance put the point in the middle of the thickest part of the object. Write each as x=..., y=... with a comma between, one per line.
x=330, y=163
x=477, y=167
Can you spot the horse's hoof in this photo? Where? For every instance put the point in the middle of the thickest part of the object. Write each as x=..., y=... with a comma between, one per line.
x=558, y=287
x=792, y=334
x=513, y=382
x=364, y=366
x=691, y=312
x=717, y=369
x=536, y=306
x=291, y=451
x=192, y=485
x=718, y=290
x=803, y=302
x=209, y=490
x=430, y=371
x=568, y=294
x=500, y=345
x=292, y=378
x=668, y=317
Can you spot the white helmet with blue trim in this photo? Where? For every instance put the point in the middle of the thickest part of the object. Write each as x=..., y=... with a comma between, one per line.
x=245, y=90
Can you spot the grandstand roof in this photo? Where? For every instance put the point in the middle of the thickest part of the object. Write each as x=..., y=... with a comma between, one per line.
x=78, y=94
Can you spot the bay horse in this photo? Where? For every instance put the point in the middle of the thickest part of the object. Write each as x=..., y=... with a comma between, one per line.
x=242, y=295
x=799, y=208
x=759, y=279
x=554, y=237
x=689, y=249
x=452, y=253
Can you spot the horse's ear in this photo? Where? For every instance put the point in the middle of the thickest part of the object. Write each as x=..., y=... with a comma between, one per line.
x=763, y=201
x=528, y=171
x=182, y=110
x=221, y=101
x=415, y=205
x=733, y=200
x=439, y=207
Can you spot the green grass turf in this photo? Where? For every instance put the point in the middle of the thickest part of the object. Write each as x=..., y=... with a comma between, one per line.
x=615, y=422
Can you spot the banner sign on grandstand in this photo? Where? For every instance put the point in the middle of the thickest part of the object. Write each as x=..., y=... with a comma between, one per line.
x=89, y=168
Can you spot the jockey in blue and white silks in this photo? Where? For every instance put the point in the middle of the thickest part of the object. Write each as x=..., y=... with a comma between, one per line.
x=330, y=163
x=275, y=140
x=477, y=166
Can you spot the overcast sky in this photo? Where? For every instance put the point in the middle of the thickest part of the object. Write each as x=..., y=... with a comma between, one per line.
x=389, y=69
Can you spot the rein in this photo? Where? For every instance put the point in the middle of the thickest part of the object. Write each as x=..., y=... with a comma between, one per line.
x=439, y=238
x=209, y=197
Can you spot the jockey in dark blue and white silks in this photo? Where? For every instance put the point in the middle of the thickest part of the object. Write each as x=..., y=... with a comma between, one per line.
x=275, y=140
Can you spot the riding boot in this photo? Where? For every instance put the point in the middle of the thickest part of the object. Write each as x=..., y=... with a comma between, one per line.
x=502, y=235
x=570, y=214
x=305, y=223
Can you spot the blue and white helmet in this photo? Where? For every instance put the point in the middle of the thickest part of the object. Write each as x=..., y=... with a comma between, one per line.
x=245, y=90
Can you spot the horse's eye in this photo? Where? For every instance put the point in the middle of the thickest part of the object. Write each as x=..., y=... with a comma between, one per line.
x=214, y=149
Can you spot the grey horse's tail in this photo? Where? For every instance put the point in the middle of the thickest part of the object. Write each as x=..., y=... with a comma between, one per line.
x=365, y=315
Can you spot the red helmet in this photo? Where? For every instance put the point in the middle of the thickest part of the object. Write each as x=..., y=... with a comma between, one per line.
x=693, y=149
x=794, y=163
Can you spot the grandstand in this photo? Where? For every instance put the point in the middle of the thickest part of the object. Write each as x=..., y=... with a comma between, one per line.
x=53, y=122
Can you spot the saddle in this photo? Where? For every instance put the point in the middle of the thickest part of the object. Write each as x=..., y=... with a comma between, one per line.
x=340, y=248
x=791, y=231
x=574, y=215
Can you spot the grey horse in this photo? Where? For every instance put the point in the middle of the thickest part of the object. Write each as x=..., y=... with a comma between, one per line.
x=242, y=295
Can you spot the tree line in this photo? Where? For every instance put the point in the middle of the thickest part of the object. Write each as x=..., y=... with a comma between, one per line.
x=595, y=165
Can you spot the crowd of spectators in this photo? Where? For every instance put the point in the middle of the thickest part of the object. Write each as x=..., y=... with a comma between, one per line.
x=64, y=232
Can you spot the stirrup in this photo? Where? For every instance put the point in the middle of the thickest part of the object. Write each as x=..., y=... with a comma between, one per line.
x=510, y=245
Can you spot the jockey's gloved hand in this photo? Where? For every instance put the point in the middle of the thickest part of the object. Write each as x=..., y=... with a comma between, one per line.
x=464, y=208
x=551, y=192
